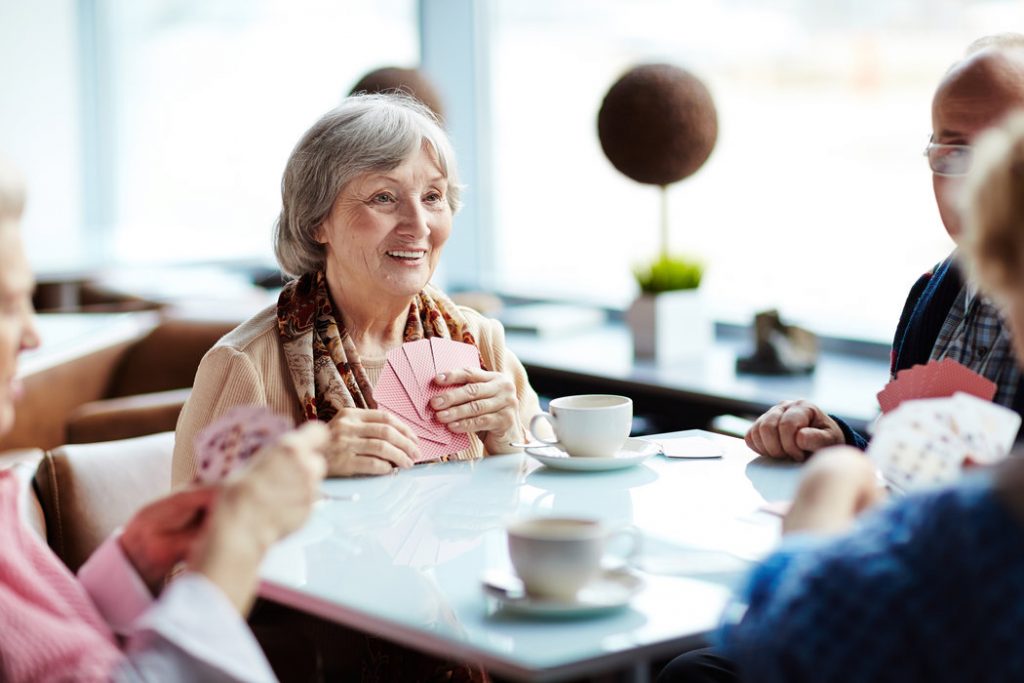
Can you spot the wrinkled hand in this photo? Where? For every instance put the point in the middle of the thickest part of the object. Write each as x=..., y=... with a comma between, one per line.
x=837, y=486
x=257, y=506
x=369, y=442
x=276, y=492
x=161, y=534
x=486, y=404
x=793, y=429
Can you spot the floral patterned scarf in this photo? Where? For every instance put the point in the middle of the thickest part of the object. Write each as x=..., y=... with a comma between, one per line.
x=321, y=356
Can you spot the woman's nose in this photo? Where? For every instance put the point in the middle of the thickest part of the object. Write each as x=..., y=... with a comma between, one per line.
x=414, y=220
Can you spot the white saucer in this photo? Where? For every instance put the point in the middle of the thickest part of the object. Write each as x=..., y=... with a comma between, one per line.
x=633, y=452
x=611, y=590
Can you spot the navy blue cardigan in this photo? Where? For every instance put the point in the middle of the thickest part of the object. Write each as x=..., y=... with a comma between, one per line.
x=925, y=311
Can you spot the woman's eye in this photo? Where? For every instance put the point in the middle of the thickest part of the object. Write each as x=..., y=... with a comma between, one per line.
x=383, y=198
x=434, y=197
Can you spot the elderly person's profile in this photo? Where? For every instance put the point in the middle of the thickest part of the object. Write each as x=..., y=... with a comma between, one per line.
x=122, y=618
x=368, y=197
x=941, y=317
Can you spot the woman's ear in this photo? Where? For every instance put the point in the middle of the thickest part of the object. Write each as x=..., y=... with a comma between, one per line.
x=321, y=231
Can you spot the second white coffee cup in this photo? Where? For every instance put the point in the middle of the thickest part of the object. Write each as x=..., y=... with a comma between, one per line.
x=557, y=556
x=587, y=425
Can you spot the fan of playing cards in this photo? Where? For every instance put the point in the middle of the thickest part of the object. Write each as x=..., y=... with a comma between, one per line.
x=932, y=380
x=231, y=440
x=406, y=386
x=927, y=442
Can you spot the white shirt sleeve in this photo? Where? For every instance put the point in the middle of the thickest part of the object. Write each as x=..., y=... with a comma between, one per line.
x=191, y=633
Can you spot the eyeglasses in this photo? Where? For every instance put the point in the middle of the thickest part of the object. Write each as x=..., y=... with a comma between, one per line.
x=949, y=160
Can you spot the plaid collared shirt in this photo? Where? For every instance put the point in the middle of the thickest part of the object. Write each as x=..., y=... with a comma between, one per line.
x=974, y=336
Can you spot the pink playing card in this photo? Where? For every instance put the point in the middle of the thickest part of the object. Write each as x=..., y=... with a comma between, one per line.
x=391, y=395
x=433, y=451
x=414, y=387
x=406, y=387
x=450, y=355
x=421, y=364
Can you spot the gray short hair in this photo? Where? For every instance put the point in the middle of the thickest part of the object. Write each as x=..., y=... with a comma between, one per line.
x=364, y=134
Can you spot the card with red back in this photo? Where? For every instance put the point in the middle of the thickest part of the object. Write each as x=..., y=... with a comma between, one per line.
x=434, y=451
x=410, y=378
x=421, y=361
x=432, y=448
x=451, y=355
x=407, y=384
x=950, y=377
x=895, y=392
x=936, y=379
x=888, y=397
x=391, y=396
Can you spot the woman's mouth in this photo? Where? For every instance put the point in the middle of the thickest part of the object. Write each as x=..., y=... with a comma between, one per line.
x=412, y=256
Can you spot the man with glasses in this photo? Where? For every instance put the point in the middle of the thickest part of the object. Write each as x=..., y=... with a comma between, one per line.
x=943, y=316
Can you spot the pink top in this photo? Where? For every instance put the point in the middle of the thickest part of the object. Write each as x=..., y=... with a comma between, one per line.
x=56, y=627
x=51, y=629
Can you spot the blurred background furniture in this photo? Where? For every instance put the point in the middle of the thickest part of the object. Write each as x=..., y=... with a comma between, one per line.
x=102, y=376
x=149, y=384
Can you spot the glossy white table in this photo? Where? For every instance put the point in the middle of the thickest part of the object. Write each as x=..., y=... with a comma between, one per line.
x=404, y=560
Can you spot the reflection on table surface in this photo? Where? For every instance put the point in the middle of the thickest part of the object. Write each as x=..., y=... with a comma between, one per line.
x=404, y=558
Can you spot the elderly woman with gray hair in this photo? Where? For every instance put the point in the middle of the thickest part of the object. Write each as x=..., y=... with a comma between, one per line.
x=368, y=196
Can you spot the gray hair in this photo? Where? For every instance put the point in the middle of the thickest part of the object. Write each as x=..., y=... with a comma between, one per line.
x=364, y=134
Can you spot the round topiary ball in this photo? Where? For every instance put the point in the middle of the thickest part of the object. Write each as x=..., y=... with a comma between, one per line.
x=658, y=124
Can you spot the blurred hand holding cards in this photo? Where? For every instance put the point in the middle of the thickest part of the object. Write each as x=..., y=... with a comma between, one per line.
x=928, y=442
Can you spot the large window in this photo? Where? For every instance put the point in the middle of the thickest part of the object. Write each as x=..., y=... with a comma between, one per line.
x=816, y=199
x=209, y=97
x=164, y=139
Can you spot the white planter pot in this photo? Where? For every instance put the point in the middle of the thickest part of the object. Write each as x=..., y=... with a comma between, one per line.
x=671, y=326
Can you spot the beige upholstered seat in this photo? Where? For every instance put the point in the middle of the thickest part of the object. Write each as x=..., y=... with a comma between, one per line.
x=88, y=490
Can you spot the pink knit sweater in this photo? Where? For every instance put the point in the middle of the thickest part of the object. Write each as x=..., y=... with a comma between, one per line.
x=49, y=628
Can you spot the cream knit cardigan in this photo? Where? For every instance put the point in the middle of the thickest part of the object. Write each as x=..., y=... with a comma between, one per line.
x=247, y=367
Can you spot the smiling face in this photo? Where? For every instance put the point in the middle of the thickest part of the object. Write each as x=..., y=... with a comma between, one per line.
x=17, y=324
x=384, y=235
x=975, y=95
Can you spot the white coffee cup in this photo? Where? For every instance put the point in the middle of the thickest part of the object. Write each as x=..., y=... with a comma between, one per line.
x=557, y=556
x=588, y=425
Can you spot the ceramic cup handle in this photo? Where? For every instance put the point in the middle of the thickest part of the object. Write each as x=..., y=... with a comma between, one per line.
x=550, y=419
